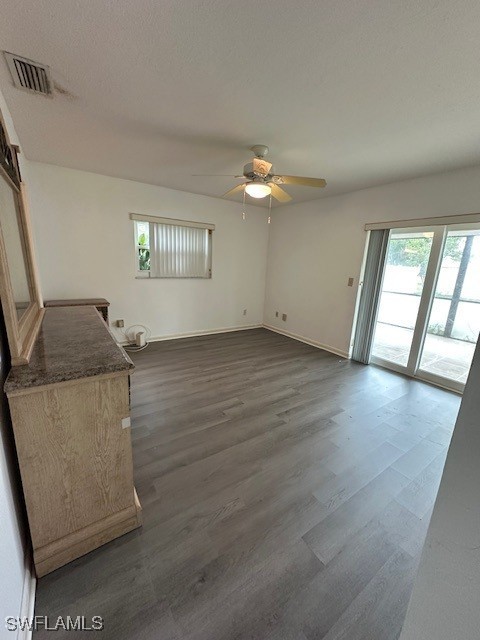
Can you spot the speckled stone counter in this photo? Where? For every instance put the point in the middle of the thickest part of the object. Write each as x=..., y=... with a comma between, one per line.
x=73, y=343
x=99, y=303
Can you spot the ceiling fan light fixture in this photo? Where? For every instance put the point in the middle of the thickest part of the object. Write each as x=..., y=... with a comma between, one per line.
x=258, y=189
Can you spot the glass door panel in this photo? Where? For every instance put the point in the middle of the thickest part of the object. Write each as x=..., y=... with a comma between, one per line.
x=454, y=321
x=406, y=264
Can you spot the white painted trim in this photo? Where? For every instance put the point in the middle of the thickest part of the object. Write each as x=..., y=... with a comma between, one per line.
x=205, y=332
x=422, y=376
x=208, y=332
x=28, y=599
x=424, y=222
x=392, y=366
x=179, y=223
x=440, y=381
x=313, y=343
x=426, y=299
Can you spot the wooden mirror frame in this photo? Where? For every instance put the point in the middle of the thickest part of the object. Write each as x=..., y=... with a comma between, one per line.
x=21, y=332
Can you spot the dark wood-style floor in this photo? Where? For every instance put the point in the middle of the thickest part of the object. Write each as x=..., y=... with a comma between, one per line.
x=286, y=495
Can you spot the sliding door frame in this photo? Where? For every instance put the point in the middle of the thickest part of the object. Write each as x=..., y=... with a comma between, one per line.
x=426, y=300
x=441, y=381
x=412, y=369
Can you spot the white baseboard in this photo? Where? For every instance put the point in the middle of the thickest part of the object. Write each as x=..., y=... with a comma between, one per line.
x=209, y=332
x=313, y=343
x=28, y=599
x=206, y=332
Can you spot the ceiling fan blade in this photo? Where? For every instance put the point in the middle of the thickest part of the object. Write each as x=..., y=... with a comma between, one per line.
x=261, y=167
x=214, y=175
x=301, y=180
x=233, y=192
x=279, y=194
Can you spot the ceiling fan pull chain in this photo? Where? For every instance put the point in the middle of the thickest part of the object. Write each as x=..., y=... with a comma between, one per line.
x=244, y=215
x=270, y=210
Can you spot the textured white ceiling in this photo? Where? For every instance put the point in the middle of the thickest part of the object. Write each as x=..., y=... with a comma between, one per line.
x=360, y=92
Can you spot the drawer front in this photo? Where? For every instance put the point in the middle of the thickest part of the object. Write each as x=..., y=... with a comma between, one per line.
x=75, y=456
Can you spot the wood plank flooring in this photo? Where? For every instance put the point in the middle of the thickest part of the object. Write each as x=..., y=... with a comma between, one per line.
x=286, y=496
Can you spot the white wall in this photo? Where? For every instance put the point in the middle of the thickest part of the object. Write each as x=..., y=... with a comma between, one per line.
x=84, y=245
x=12, y=553
x=314, y=247
x=445, y=597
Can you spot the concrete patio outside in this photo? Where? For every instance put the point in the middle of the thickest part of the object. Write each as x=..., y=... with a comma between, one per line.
x=442, y=356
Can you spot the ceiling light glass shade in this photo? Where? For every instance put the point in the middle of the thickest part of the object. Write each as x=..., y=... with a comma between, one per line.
x=258, y=189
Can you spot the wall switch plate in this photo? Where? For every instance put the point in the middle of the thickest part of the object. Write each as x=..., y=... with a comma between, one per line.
x=125, y=423
x=120, y=324
x=244, y=312
x=350, y=282
x=276, y=314
x=284, y=317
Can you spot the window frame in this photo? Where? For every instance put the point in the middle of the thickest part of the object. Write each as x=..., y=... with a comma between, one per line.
x=140, y=273
x=151, y=220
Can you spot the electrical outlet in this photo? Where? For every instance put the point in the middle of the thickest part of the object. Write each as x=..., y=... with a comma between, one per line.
x=244, y=312
x=350, y=282
x=120, y=324
x=284, y=317
x=276, y=314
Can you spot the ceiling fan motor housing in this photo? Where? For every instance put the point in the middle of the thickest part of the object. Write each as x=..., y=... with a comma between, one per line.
x=249, y=173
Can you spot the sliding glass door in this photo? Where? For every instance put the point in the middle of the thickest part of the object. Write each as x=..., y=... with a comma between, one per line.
x=454, y=321
x=406, y=263
x=428, y=316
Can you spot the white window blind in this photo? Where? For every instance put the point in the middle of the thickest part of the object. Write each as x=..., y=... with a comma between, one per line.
x=168, y=250
x=179, y=252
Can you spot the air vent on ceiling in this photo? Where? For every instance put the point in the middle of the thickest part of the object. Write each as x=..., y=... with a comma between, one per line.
x=28, y=74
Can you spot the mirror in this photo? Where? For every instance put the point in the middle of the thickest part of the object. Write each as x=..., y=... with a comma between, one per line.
x=19, y=291
x=14, y=249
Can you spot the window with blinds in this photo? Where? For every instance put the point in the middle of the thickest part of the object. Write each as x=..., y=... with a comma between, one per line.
x=167, y=248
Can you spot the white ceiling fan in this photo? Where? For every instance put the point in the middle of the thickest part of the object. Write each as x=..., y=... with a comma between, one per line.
x=260, y=182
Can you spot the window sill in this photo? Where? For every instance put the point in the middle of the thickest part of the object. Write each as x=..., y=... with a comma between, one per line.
x=173, y=278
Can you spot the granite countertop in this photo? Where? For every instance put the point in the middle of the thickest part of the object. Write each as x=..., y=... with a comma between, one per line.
x=73, y=343
x=78, y=302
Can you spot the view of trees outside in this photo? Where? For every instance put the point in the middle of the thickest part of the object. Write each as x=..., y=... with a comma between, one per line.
x=415, y=252
x=455, y=312
x=143, y=245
